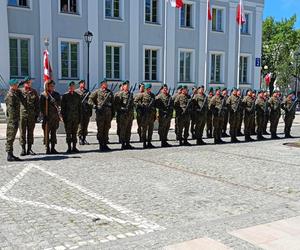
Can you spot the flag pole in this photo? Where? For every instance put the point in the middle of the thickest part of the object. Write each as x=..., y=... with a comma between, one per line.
x=165, y=45
x=239, y=44
x=206, y=47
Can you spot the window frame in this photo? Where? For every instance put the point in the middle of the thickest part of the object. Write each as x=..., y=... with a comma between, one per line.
x=192, y=66
x=249, y=69
x=223, y=9
x=193, y=17
x=79, y=58
x=122, y=59
x=121, y=12
x=31, y=66
x=222, y=68
x=159, y=62
x=26, y=8
x=249, y=24
x=159, y=14
x=77, y=14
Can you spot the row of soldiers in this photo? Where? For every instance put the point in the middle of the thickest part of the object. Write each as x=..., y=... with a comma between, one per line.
x=192, y=113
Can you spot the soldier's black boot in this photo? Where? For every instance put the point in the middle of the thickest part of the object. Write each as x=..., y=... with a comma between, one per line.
x=288, y=135
x=123, y=147
x=69, y=151
x=274, y=136
x=74, y=149
x=201, y=142
x=53, y=150
x=260, y=137
x=11, y=157
x=101, y=148
x=150, y=145
x=81, y=141
x=85, y=141
x=106, y=148
x=248, y=138
x=129, y=146
x=23, y=152
x=186, y=143
x=48, y=152
x=144, y=145
x=165, y=144
x=29, y=150
x=180, y=142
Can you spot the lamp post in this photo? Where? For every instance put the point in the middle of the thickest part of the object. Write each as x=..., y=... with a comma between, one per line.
x=88, y=37
x=297, y=54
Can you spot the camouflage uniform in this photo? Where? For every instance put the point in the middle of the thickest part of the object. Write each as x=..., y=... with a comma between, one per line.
x=146, y=103
x=103, y=101
x=71, y=113
x=275, y=112
x=125, y=113
x=266, y=119
x=249, y=116
x=85, y=115
x=234, y=103
x=28, y=115
x=183, y=117
x=209, y=126
x=176, y=124
x=193, y=118
x=260, y=105
x=52, y=119
x=200, y=107
x=164, y=104
x=288, y=105
x=225, y=118
x=139, y=115
x=118, y=115
x=217, y=105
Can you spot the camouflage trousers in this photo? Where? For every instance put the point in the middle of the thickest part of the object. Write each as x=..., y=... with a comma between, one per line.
x=249, y=119
x=218, y=124
x=147, y=125
x=139, y=121
x=83, y=126
x=274, y=120
x=11, y=131
x=103, y=120
x=193, y=123
x=234, y=118
x=51, y=130
x=125, y=124
x=71, y=128
x=240, y=121
x=27, y=125
x=164, y=124
x=288, y=122
x=266, y=120
x=183, y=123
x=200, y=124
x=225, y=122
x=260, y=119
x=209, y=124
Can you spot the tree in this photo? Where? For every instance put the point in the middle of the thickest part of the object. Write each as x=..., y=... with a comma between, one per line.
x=280, y=42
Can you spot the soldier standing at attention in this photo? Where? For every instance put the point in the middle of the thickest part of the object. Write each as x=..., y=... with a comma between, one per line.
x=241, y=115
x=253, y=122
x=249, y=117
x=233, y=103
x=118, y=113
x=209, y=126
x=267, y=113
x=103, y=100
x=139, y=111
x=289, y=106
x=260, y=107
x=85, y=114
x=71, y=113
x=125, y=113
x=164, y=104
x=226, y=113
x=275, y=113
x=193, y=116
x=183, y=116
x=29, y=114
x=146, y=103
x=51, y=116
x=216, y=105
x=179, y=88
x=200, y=107
x=12, y=101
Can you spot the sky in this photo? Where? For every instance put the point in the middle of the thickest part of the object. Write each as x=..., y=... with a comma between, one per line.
x=282, y=9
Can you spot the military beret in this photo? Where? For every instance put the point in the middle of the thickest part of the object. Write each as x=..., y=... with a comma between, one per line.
x=179, y=87
x=224, y=89
x=184, y=87
x=234, y=88
x=125, y=83
x=164, y=86
x=81, y=81
x=141, y=84
x=201, y=87
x=13, y=82
x=291, y=92
x=260, y=91
x=248, y=90
x=148, y=86
x=103, y=81
x=27, y=78
x=218, y=88
x=71, y=83
x=211, y=90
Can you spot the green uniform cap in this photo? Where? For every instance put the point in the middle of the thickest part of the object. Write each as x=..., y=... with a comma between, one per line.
x=291, y=92
x=184, y=87
x=148, y=86
x=179, y=87
x=81, y=81
x=218, y=88
x=103, y=81
x=71, y=83
x=13, y=82
x=27, y=78
x=224, y=89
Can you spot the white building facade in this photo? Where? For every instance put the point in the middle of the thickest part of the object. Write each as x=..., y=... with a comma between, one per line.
x=128, y=41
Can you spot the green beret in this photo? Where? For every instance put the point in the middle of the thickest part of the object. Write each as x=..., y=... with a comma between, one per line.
x=71, y=83
x=103, y=81
x=260, y=91
x=211, y=90
x=234, y=89
x=148, y=86
x=184, y=87
x=125, y=82
x=164, y=86
x=179, y=87
x=27, y=78
x=218, y=88
x=201, y=87
x=13, y=82
x=291, y=92
x=224, y=89
x=141, y=84
x=81, y=81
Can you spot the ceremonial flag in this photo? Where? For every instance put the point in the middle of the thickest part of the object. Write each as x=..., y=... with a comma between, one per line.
x=209, y=14
x=176, y=3
x=240, y=15
x=47, y=66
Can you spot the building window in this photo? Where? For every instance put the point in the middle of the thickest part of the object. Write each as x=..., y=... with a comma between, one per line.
x=69, y=60
x=217, y=20
x=244, y=65
x=185, y=66
x=112, y=9
x=19, y=57
x=216, y=68
x=69, y=6
x=151, y=65
x=186, y=16
x=113, y=62
x=19, y=3
x=151, y=11
x=245, y=27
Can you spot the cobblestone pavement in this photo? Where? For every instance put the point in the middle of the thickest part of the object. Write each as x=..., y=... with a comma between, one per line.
x=146, y=199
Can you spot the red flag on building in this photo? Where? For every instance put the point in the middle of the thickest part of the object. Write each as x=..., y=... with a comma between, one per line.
x=268, y=79
x=47, y=66
x=240, y=15
x=209, y=14
x=176, y=3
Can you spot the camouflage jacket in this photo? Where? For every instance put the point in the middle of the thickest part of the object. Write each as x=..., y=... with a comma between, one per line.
x=146, y=102
x=13, y=104
x=71, y=107
x=124, y=102
x=165, y=105
x=261, y=106
x=275, y=105
x=233, y=103
x=200, y=103
x=181, y=104
x=217, y=105
x=288, y=105
x=249, y=104
x=30, y=105
x=84, y=96
x=102, y=100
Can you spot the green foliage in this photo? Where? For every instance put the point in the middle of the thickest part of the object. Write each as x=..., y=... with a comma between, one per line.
x=280, y=42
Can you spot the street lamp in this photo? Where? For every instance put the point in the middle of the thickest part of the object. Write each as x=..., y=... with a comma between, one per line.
x=297, y=54
x=88, y=37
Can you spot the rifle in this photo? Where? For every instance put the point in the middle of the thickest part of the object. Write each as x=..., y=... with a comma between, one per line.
x=88, y=94
x=188, y=105
x=131, y=91
x=293, y=105
x=98, y=109
x=223, y=106
x=53, y=102
x=204, y=103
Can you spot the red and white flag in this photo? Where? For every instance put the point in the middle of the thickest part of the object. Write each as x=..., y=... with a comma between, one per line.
x=176, y=3
x=268, y=78
x=47, y=66
x=240, y=13
x=209, y=14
